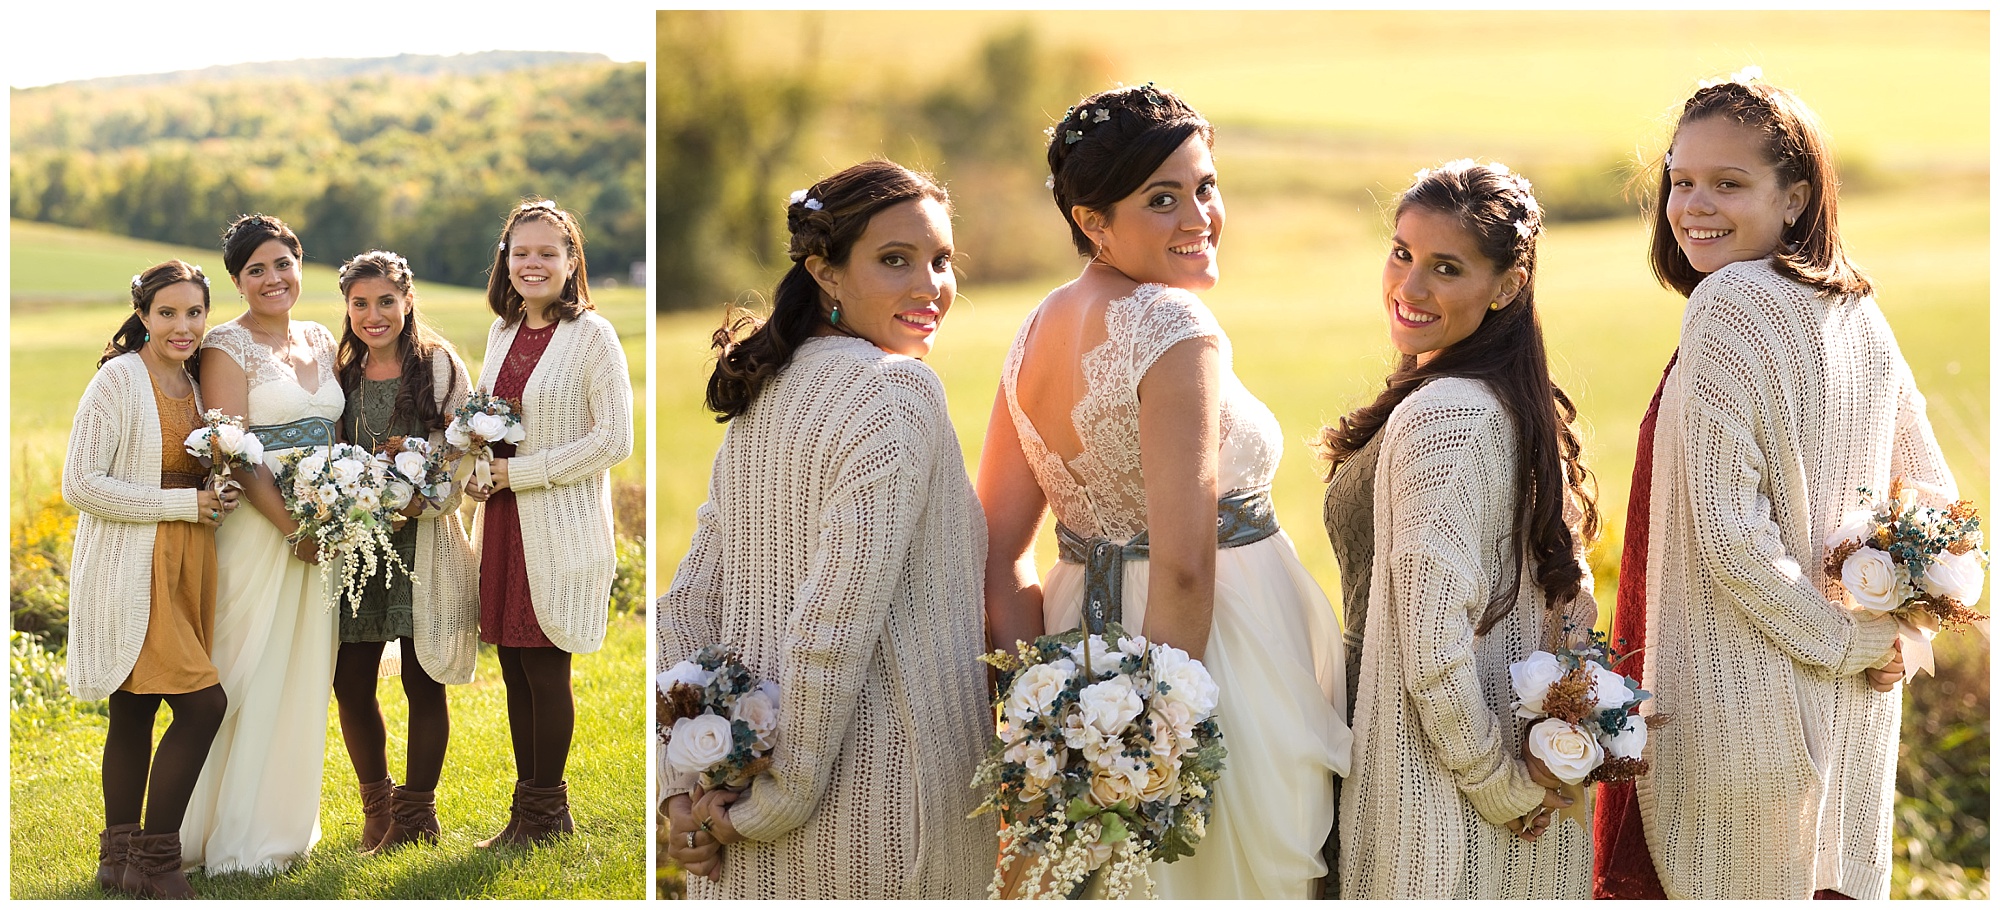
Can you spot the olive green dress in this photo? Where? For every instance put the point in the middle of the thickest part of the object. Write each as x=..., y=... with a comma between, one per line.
x=1349, y=515
x=385, y=609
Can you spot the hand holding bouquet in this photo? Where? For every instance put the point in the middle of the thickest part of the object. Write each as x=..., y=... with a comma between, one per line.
x=1589, y=731
x=1106, y=757
x=223, y=443
x=479, y=423
x=416, y=473
x=1913, y=556
x=337, y=495
x=716, y=720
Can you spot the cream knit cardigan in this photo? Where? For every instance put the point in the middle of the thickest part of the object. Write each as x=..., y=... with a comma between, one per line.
x=1437, y=770
x=577, y=412
x=445, y=614
x=1777, y=774
x=112, y=476
x=842, y=552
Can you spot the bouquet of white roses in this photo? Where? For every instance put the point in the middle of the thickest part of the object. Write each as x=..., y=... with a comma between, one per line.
x=1106, y=758
x=1913, y=556
x=222, y=443
x=1591, y=732
x=415, y=472
x=336, y=494
x=715, y=719
x=481, y=421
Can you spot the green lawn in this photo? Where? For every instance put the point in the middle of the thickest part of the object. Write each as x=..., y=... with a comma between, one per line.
x=58, y=801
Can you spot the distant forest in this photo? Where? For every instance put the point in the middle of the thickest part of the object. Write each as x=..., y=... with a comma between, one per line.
x=420, y=155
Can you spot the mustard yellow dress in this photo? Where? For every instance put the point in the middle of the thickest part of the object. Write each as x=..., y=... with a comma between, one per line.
x=180, y=631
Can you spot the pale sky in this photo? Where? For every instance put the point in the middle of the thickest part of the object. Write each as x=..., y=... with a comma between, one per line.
x=53, y=41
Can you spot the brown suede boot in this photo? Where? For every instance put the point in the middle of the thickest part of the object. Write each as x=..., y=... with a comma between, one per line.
x=544, y=814
x=412, y=817
x=111, y=845
x=506, y=837
x=375, y=813
x=153, y=867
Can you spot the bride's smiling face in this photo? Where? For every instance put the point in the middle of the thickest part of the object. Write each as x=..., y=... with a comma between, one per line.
x=1167, y=230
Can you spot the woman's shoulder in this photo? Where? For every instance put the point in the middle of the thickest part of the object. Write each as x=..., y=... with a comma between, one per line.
x=117, y=375
x=874, y=379
x=1175, y=310
x=1753, y=288
x=1444, y=405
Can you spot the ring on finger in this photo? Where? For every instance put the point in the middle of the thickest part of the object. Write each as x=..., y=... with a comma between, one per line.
x=690, y=840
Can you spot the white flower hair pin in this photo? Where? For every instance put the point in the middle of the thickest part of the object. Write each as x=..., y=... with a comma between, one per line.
x=1744, y=76
x=799, y=197
x=1522, y=228
x=135, y=282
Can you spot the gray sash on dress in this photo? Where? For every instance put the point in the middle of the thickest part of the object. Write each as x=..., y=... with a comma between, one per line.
x=306, y=431
x=1241, y=517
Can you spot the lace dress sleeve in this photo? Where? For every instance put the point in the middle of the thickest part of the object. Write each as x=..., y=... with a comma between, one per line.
x=1165, y=317
x=231, y=339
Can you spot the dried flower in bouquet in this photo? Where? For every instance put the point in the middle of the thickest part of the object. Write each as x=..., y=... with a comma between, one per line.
x=1914, y=555
x=715, y=719
x=1588, y=728
x=338, y=495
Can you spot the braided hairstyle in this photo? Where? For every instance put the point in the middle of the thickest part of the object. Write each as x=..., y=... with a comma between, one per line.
x=248, y=232
x=825, y=220
x=131, y=335
x=417, y=394
x=1795, y=145
x=1506, y=352
x=504, y=300
x=1106, y=146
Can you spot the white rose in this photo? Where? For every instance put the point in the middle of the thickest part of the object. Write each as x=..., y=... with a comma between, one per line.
x=759, y=708
x=366, y=500
x=1872, y=578
x=1568, y=750
x=686, y=671
x=515, y=433
x=1185, y=681
x=410, y=465
x=313, y=465
x=327, y=494
x=1856, y=525
x=197, y=443
x=1087, y=739
x=696, y=744
x=397, y=495
x=1533, y=675
x=1103, y=658
x=455, y=434
x=1607, y=687
x=1042, y=764
x=1110, y=705
x=252, y=448
x=345, y=471
x=1958, y=576
x=230, y=437
x=1036, y=688
x=1132, y=645
x=1629, y=742
x=490, y=427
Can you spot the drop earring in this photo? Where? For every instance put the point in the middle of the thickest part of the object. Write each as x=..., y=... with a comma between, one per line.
x=834, y=317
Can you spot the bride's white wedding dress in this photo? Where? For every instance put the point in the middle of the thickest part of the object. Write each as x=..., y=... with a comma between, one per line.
x=1274, y=651
x=256, y=807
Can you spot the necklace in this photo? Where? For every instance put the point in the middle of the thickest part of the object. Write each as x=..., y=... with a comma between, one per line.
x=282, y=350
x=369, y=393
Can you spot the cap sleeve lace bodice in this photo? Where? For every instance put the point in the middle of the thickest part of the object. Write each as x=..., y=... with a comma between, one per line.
x=276, y=395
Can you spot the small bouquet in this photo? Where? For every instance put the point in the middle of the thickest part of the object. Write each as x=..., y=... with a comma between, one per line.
x=715, y=719
x=223, y=443
x=337, y=495
x=1591, y=732
x=1913, y=556
x=479, y=423
x=1105, y=759
x=415, y=472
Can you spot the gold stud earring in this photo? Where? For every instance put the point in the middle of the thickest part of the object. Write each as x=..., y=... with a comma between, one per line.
x=1494, y=306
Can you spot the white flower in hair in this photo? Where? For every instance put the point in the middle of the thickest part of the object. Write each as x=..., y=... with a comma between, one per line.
x=814, y=204
x=135, y=281
x=796, y=197
x=1051, y=182
x=1102, y=115
x=1743, y=76
x=1522, y=228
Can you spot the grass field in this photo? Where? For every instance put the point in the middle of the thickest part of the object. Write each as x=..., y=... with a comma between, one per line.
x=58, y=804
x=68, y=294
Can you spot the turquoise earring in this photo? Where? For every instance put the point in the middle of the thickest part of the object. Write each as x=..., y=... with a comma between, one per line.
x=834, y=319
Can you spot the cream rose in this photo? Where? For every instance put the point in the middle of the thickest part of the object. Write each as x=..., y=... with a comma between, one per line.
x=1959, y=576
x=490, y=427
x=1873, y=581
x=411, y=466
x=1042, y=763
x=1036, y=689
x=1533, y=675
x=1607, y=687
x=366, y=499
x=456, y=434
x=252, y=448
x=759, y=709
x=229, y=438
x=1183, y=680
x=1118, y=783
x=345, y=471
x=1568, y=750
x=1856, y=526
x=1629, y=742
x=1110, y=705
x=686, y=671
x=1161, y=778
x=696, y=744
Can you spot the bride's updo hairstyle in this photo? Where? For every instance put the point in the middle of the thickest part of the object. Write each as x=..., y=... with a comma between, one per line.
x=1498, y=209
x=1795, y=146
x=248, y=232
x=825, y=220
x=1106, y=146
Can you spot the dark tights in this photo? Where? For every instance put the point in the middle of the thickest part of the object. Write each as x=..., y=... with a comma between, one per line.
x=541, y=712
x=355, y=671
x=128, y=756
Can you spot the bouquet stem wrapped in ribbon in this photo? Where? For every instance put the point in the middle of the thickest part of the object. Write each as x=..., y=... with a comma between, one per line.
x=221, y=444
x=1105, y=759
x=338, y=495
x=1914, y=556
x=483, y=420
x=1588, y=729
x=715, y=719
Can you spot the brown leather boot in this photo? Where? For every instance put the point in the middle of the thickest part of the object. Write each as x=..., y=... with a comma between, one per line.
x=506, y=837
x=111, y=845
x=412, y=817
x=153, y=867
x=544, y=814
x=375, y=813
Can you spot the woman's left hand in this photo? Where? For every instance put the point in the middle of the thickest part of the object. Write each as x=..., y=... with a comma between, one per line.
x=499, y=476
x=712, y=813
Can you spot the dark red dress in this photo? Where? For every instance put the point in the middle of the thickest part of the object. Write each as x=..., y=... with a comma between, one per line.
x=506, y=612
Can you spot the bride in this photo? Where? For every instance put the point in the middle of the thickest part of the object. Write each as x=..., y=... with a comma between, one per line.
x=1118, y=408
x=256, y=807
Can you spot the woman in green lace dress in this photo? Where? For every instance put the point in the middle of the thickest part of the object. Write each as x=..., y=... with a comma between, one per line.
x=402, y=379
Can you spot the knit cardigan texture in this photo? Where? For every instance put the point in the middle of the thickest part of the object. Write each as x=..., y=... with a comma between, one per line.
x=1776, y=776
x=577, y=412
x=445, y=612
x=112, y=476
x=1437, y=770
x=842, y=553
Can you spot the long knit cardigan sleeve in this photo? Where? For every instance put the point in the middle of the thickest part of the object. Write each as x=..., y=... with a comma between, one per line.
x=112, y=476
x=445, y=615
x=841, y=551
x=1776, y=777
x=577, y=412
x=1437, y=767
